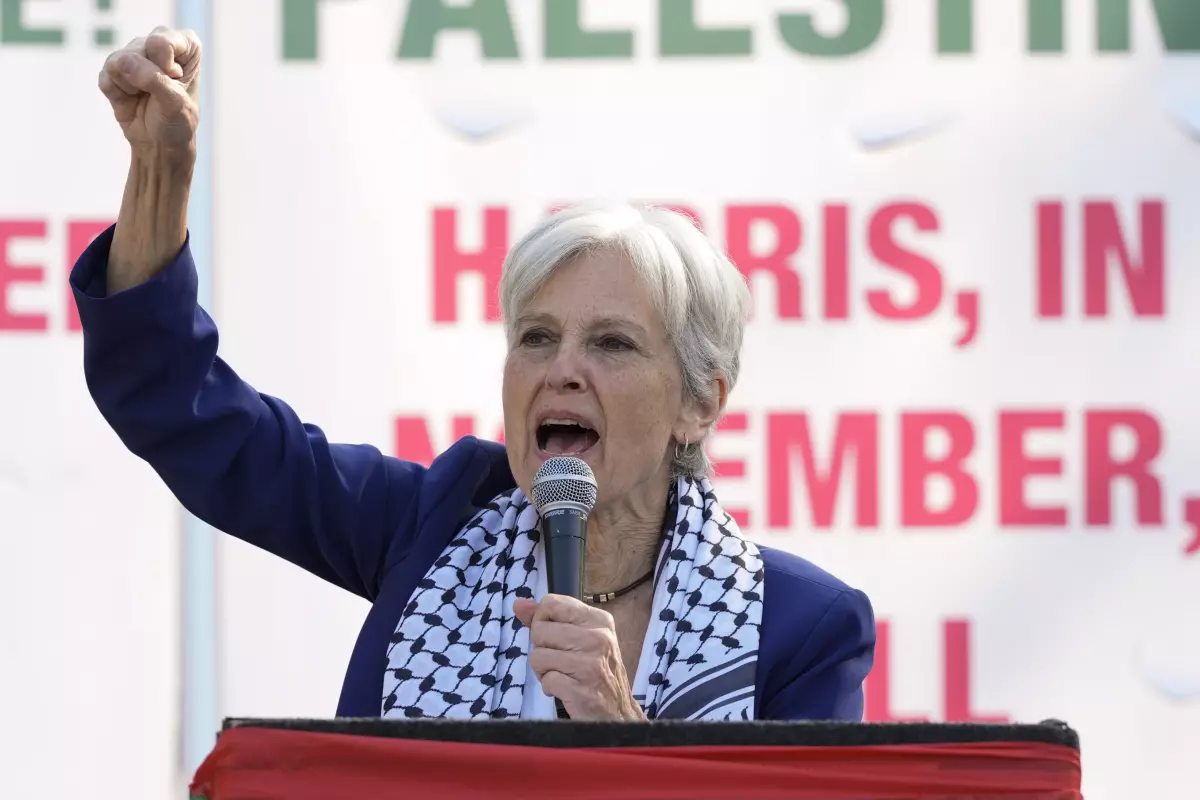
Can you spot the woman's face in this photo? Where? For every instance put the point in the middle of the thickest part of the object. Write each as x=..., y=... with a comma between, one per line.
x=590, y=373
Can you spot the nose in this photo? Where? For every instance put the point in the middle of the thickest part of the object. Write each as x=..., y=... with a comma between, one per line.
x=567, y=372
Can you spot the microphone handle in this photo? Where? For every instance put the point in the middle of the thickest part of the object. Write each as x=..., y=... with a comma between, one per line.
x=565, y=536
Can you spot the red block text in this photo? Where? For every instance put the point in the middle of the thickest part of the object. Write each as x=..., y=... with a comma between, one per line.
x=33, y=235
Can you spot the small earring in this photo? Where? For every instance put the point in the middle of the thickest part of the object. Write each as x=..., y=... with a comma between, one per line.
x=685, y=447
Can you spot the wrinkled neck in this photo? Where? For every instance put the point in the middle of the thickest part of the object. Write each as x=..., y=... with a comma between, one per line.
x=624, y=538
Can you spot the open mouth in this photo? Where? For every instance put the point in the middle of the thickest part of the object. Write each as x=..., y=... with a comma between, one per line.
x=564, y=437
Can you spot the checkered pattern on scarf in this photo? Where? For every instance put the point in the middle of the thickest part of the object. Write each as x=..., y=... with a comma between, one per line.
x=459, y=652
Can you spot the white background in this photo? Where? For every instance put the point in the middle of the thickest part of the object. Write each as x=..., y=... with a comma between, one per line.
x=89, y=571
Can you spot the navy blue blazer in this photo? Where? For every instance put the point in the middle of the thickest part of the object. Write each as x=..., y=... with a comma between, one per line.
x=372, y=524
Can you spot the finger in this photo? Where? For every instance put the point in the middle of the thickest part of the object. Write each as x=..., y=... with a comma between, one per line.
x=141, y=74
x=525, y=610
x=564, y=636
x=122, y=83
x=557, y=684
x=112, y=89
x=561, y=608
x=160, y=50
x=577, y=665
x=112, y=80
x=172, y=51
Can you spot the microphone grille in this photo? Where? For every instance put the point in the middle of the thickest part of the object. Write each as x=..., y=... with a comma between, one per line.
x=564, y=479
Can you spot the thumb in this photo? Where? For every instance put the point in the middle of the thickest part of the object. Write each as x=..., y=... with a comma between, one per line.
x=524, y=610
x=142, y=74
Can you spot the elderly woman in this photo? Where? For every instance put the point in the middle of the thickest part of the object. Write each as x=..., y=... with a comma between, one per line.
x=623, y=329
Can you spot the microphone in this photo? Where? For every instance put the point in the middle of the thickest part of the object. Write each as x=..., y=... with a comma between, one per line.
x=564, y=492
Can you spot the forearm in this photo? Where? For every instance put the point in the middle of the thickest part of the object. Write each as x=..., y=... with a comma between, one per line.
x=152, y=224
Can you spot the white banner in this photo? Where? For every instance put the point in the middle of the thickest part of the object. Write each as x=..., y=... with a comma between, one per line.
x=89, y=574
x=969, y=232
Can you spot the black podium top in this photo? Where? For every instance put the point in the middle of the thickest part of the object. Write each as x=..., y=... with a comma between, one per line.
x=571, y=733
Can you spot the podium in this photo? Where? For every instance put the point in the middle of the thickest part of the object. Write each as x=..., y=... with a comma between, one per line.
x=370, y=759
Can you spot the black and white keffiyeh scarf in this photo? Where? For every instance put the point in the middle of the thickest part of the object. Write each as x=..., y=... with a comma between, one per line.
x=459, y=652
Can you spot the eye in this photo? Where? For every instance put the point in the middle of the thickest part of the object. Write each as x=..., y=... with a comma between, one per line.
x=534, y=338
x=615, y=344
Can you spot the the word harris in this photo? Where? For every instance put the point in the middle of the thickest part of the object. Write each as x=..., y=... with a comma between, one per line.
x=680, y=34
x=803, y=247
x=811, y=465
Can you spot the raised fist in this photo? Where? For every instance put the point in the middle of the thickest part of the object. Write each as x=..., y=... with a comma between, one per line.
x=152, y=84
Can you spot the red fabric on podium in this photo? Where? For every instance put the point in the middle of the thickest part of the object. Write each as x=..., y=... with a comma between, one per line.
x=259, y=763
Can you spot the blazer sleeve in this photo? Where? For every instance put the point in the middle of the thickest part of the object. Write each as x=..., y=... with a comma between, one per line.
x=831, y=666
x=239, y=460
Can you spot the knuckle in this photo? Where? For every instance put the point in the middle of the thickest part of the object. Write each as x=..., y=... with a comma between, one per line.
x=539, y=636
x=558, y=684
x=549, y=608
x=593, y=671
x=600, y=640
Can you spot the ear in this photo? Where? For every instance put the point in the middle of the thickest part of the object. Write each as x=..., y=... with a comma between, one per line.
x=698, y=416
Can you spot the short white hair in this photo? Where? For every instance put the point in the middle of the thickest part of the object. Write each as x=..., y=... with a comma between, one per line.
x=703, y=298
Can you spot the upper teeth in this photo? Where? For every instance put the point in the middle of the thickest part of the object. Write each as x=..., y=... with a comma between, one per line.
x=563, y=422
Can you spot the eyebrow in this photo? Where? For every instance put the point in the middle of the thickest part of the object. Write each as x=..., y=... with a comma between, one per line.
x=601, y=323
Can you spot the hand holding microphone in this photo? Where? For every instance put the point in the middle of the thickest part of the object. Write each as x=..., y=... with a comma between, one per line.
x=574, y=653
x=576, y=658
